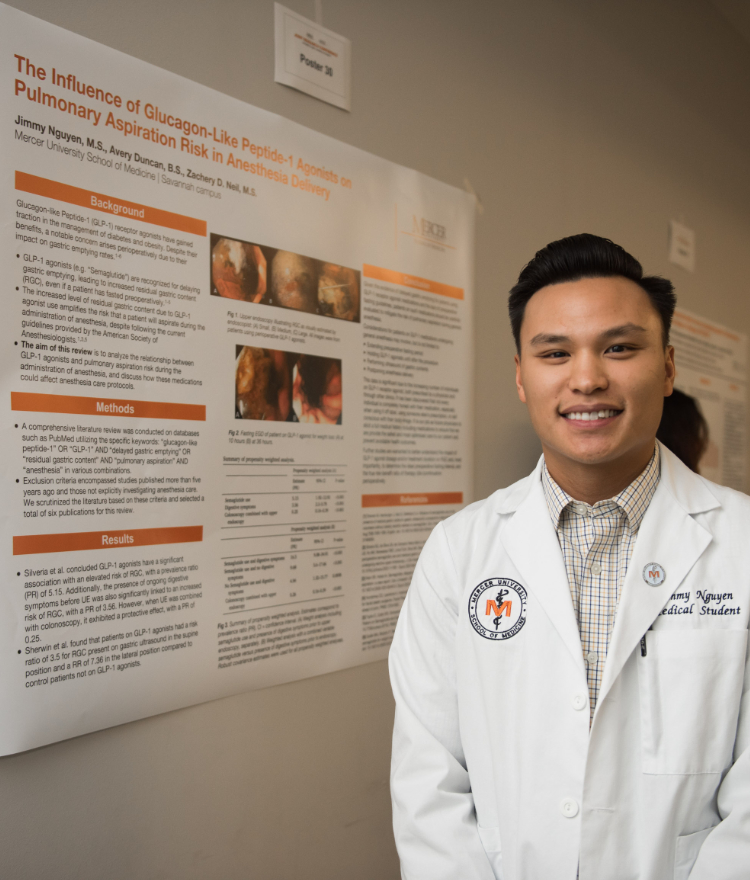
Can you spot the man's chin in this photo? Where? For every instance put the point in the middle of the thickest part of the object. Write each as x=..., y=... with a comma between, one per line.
x=595, y=452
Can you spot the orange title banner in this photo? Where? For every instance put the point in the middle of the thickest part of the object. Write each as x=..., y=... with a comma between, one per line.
x=392, y=277
x=411, y=500
x=65, y=542
x=26, y=401
x=74, y=195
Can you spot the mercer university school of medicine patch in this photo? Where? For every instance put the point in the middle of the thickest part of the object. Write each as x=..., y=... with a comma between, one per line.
x=497, y=608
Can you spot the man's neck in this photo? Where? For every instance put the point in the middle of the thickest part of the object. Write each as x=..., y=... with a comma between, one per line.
x=596, y=482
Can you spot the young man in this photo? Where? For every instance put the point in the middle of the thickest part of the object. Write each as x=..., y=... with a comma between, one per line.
x=570, y=666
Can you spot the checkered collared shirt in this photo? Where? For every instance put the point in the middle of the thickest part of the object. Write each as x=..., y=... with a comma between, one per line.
x=597, y=543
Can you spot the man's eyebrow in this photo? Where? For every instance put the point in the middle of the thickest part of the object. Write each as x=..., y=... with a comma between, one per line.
x=623, y=330
x=549, y=339
x=611, y=333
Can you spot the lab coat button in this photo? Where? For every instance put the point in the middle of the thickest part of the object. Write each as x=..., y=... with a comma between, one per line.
x=579, y=702
x=569, y=808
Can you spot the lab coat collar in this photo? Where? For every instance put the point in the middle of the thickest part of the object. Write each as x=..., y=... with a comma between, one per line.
x=509, y=499
x=688, y=489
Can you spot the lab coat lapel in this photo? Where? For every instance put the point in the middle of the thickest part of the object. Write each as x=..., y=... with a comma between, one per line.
x=670, y=536
x=531, y=542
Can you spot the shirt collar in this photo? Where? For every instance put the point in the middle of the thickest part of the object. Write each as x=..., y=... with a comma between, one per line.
x=633, y=501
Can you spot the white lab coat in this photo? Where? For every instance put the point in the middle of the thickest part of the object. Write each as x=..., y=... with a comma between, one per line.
x=495, y=773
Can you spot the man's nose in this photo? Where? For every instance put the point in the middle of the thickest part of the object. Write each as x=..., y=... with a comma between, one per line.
x=588, y=374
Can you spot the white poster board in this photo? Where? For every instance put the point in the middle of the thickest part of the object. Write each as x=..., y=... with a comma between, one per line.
x=711, y=365
x=236, y=377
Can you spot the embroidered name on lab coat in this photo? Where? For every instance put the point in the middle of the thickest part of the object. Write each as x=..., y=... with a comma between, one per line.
x=706, y=604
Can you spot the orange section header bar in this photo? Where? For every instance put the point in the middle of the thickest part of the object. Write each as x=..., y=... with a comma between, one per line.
x=74, y=195
x=413, y=499
x=64, y=542
x=392, y=277
x=688, y=322
x=26, y=401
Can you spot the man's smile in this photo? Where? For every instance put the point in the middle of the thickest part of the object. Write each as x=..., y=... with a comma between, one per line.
x=591, y=416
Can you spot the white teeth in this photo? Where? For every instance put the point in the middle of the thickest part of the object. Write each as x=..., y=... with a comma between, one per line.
x=590, y=416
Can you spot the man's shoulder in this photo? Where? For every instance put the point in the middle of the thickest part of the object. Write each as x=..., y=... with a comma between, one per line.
x=459, y=538
x=732, y=502
x=480, y=514
x=699, y=496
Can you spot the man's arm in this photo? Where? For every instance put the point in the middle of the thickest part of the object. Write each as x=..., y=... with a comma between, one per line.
x=433, y=808
x=725, y=854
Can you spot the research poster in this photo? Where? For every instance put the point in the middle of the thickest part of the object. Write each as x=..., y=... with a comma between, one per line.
x=236, y=390
x=711, y=365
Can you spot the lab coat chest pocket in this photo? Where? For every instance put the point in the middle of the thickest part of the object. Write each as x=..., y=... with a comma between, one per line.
x=690, y=685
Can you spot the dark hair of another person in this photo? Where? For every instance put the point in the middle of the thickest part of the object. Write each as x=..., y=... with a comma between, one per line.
x=586, y=256
x=683, y=428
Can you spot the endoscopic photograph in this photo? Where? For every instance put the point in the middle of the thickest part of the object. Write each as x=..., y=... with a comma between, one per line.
x=241, y=270
x=282, y=386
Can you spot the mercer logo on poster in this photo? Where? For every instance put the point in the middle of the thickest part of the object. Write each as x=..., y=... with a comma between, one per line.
x=428, y=229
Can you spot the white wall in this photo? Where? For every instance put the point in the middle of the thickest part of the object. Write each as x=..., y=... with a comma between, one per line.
x=567, y=116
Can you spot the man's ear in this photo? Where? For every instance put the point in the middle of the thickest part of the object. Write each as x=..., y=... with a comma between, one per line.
x=670, y=370
x=519, y=383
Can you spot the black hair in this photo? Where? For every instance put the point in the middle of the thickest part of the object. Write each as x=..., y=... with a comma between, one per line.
x=683, y=428
x=586, y=256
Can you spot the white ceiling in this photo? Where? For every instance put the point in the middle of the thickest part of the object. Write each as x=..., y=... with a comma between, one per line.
x=737, y=13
